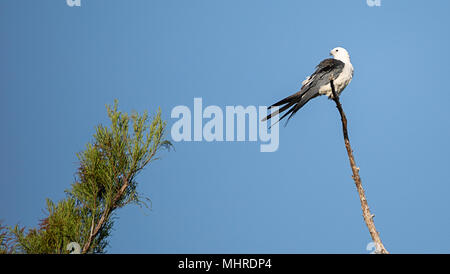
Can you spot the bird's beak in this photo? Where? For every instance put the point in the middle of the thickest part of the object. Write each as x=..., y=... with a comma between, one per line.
x=331, y=54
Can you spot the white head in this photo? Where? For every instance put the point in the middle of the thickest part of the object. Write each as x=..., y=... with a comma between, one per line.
x=340, y=54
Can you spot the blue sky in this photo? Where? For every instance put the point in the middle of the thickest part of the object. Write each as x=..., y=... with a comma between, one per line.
x=59, y=66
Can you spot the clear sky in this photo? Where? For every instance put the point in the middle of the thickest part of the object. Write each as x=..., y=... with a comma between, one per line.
x=60, y=65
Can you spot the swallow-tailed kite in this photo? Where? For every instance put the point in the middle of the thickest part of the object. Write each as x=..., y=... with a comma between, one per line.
x=318, y=83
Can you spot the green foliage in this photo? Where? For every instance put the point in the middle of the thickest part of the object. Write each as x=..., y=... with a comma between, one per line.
x=105, y=181
x=64, y=224
x=7, y=243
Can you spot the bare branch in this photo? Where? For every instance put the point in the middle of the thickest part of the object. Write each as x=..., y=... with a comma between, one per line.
x=104, y=217
x=368, y=217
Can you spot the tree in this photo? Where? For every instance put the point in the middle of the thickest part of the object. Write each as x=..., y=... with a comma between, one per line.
x=105, y=182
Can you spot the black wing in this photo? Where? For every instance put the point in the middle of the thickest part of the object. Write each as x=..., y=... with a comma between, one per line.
x=309, y=90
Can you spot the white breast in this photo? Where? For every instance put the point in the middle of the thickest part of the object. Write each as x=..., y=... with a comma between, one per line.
x=341, y=81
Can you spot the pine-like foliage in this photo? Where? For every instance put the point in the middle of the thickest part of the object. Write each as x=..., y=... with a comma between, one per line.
x=105, y=182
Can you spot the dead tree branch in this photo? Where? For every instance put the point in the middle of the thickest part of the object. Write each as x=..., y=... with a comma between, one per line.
x=368, y=217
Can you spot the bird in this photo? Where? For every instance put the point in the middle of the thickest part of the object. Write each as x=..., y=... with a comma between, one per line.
x=339, y=68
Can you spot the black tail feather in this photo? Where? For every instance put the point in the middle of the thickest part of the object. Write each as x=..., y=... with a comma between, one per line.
x=283, y=108
x=288, y=99
x=294, y=102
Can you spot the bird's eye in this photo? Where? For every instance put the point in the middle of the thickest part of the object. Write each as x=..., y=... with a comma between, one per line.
x=337, y=50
